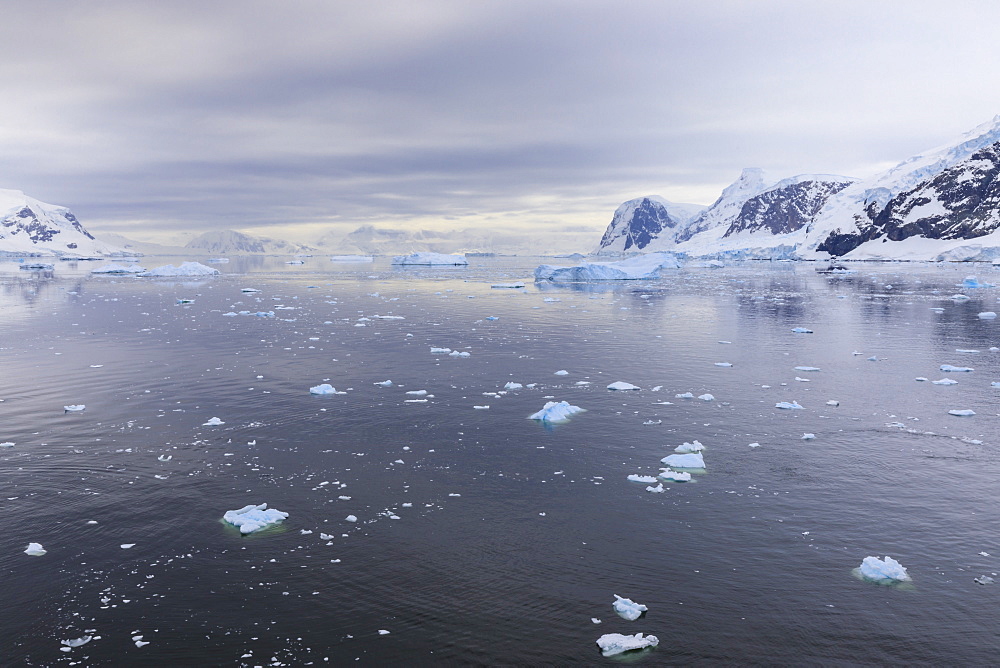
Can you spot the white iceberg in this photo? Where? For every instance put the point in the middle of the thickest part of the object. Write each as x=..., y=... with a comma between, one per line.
x=802, y=330
x=788, y=405
x=554, y=411
x=627, y=608
x=808, y=437
x=685, y=447
x=635, y=268
x=186, y=269
x=513, y=386
x=561, y=372
x=114, y=268
x=325, y=388
x=886, y=571
x=962, y=412
x=949, y=367
x=647, y=479
x=74, y=408
x=972, y=282
x=807, y=368
x=691, y=460
x=621, y=385
x=77, y=642
x=685, y=395
x=616, y=643
x=35, y=550
x=944, y=381
x=706, y=397
x=254, y=518
x=674, y=476
x=427, y=259
x=213, y=422
x=656, y=490
x=987, y=315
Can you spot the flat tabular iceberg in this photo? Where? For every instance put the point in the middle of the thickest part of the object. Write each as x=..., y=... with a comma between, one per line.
x=621, y=385
x=186, y=269
x=556, y=411
x=253, y=518
x=628, y=609
x=889, y=570
x=616, y=643
x=691, y=460
x=430, y=259
x=948, y=367
x=635, y=268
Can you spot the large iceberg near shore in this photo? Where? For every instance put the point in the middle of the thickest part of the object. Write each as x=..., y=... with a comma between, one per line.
x=186, y=269
x=633, y=269
x=430, y=259
x=886, y=571
x=616, y=643
x=254, y=518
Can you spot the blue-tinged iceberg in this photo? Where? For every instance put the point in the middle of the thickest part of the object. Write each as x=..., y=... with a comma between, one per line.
x=254, y=518
x=636, y=268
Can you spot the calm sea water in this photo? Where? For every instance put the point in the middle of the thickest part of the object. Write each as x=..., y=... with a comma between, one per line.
x=485, y=538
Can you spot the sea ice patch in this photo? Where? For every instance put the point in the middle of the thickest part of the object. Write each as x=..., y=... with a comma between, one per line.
x=254, y=518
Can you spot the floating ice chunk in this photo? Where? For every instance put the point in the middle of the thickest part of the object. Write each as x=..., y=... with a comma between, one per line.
x=686, y=395
x=808, y=437
x=7, y=444
x=351, y=518
x=213, y=422
x=556, y=412
x=417, y=393
x=706, y=397
x=723, y=364
x=972, y=282
x=186, y=269
x=35, y=550
x=621, y=385
x=674, y=476
x=646, y=422
x=944, y=381
x=254, y=518
x=325, y=388
x=561, y=372
x=889, y=570
x=833, y=402
x=807, y=368
x=656, y=490
x=987, y=315
x=127, y=546
x=75, y=408
x=385, y=383
x=428, y=259
x=949, y=367
x=920, y=379
x=959, y=298
x=627, y=608
x=964, y=412
x=789, y=405
x=114, y=268
x=616, y=643
x=802, y=330
x=994, y=384
x=481, y=408
x=440, y=351
x=634, y=268
x=77, y=642
x=691, y=460
x=513, y=386
x=802, y=380
x=648, y=479
x=455, y=353
x=689, y=447
x=754, y=445
x=984, y=580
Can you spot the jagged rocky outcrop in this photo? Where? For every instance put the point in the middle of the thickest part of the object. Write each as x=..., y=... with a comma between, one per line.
x=788, y=206
x=638, y=222
x=31, y=227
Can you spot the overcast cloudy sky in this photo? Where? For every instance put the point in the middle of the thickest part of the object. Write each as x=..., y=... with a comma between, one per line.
x=158, y=119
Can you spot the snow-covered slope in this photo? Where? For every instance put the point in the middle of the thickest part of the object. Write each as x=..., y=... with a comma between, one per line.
x=31, y=227
x=638, y=222
x=752, y=181
x=224, y=242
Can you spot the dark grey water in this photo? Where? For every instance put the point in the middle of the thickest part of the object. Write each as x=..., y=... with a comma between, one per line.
x=510, y=536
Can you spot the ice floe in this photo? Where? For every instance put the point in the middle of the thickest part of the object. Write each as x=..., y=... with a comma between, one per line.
x=878, y=570
x=641, y=267
x=74, y=408
x=674, y=476
x=185, y=269
x=802, y=330
x=254, y=518
x=427, y=259
x=621, y=385
x=616, y=643
x=963, y=412
x=944, y=381
x=706, y=397
x=627, y=608
x=513, y=386
x=987, y=315
x=949, y=367
x=788, y=405
x=691, y=460
x=685, y=447
x=647, y=479
x=35, y=550
x=213, y=422
x=556, y=411
x=76, y=642
x=324, y=388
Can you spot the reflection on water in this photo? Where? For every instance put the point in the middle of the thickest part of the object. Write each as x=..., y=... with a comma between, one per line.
x=484, y=537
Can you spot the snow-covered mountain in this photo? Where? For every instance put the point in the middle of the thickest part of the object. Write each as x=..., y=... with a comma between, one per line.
x=31, y=227
x=639, y=221
x=935, y=202
x=222, y=242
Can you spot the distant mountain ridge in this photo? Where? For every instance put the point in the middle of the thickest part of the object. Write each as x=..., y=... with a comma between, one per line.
x=31, y=227
x=936, y=202
x=223, y=242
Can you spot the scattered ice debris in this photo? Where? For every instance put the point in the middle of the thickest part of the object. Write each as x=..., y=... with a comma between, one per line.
x=788, y=405
x=254, y=518
x=634, y=268
x=685, y=395
x=621, y=385
x=562, y=372
x=802, y=330
x=647, y=479
x=685, y=447
x=984, y=580
x=648, y=422
x=186, y=269
x=949, y=367
x=616, y=643
x=137, y=639
x=833, y=402
x=455, y=353
x=944, y=381
x=213, y=422
x=127, y=546
x=76, y=642
x=808, y=436
x=691, y=460
x=627, y=608
x=325, y=388
x=114, y=268
x=554, y=411
x=35, y=550
x=964, y=412
x=75, y=408
x=674, y=476
x=656, y=490
x=878, y=570
x=706, y=397
x=428, y=259
x=351, y=518
x=513, y=386
x=987, y=315
x=723, y=364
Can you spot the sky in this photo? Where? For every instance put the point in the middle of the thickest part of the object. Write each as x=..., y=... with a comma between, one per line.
x=294, y=119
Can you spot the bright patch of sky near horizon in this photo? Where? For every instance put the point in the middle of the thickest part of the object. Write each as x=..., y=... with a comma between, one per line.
x=163, y=120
